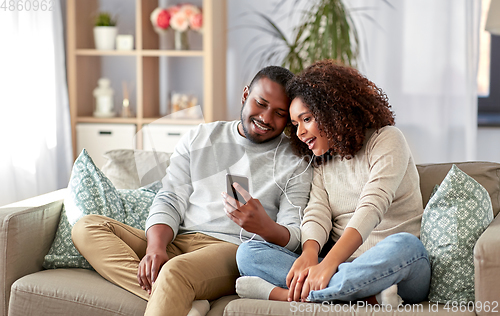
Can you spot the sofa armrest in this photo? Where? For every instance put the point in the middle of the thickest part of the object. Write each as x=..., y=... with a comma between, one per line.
x=26, y=234
x=487, y=267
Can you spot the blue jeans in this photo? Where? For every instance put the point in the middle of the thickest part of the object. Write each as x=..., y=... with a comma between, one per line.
x=398, y=259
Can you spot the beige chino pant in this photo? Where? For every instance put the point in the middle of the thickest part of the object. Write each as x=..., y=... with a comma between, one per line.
x=200, y=267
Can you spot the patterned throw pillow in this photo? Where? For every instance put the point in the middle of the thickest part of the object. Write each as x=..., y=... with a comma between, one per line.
x=453, y=220
x=90, y=192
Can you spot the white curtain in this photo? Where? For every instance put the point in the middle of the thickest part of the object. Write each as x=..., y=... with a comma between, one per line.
x=35, y=134
x=424, y=55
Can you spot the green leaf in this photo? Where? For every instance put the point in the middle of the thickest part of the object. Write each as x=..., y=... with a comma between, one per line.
x=105, y=19
x=326, y=31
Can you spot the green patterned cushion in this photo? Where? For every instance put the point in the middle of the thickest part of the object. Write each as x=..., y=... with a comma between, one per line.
x=455, y=217
x=90, y=192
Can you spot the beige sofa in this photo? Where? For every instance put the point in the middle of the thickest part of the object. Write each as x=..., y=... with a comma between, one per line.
x=28, y=228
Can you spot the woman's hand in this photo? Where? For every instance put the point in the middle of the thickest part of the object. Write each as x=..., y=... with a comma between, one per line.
x=313, y=278
x=296, y=275
x=316, y=278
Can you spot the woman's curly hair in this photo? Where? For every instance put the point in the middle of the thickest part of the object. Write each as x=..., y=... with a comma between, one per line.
x=344, y=104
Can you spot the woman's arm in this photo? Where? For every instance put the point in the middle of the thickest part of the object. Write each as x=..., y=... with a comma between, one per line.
x=317, y=222
x=347, y=244
x=315, y=229
x=389, y=159
x=308, y=258
x=318, y=276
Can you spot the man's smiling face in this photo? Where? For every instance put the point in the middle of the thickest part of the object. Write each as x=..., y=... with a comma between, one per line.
x=264, y=114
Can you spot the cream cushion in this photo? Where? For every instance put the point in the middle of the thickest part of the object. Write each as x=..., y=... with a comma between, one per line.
x=131, y=169
x=55, y=292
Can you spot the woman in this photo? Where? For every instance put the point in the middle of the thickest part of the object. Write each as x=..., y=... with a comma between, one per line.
x=365, y=194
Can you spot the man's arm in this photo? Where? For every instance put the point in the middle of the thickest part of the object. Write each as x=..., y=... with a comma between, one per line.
x=170, y=203
x=166, y=213
x=159, y=236
x=276, y=234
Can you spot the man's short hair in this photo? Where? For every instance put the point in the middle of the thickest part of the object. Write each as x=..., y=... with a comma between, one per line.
x=277, y=74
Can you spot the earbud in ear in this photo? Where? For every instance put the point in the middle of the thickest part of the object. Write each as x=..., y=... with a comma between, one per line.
x=246, y=92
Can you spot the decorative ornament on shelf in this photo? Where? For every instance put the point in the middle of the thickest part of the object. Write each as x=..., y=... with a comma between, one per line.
x=124, y=42
x=184, y=106
x=180, y=18
x=126, y=110
x=104, y=99
x=104, y=31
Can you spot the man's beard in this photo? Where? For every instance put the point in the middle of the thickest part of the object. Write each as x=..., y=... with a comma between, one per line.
x=249, y=136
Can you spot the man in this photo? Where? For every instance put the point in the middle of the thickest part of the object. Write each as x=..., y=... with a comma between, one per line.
x=192, y=232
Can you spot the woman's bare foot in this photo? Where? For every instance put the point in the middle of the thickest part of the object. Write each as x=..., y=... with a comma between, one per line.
x=278, y=294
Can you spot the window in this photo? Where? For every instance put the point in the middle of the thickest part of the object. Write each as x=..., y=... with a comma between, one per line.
x=483, y=74
x=488, y=75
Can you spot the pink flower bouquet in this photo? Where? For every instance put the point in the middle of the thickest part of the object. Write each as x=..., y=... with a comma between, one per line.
x=180, y=17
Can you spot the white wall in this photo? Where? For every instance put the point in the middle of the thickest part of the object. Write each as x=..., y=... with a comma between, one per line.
x=244, y=39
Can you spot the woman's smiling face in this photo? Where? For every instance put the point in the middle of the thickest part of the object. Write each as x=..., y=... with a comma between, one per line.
x=307, y=127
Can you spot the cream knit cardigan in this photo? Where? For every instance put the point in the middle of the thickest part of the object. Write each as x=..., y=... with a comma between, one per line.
x=376, y=192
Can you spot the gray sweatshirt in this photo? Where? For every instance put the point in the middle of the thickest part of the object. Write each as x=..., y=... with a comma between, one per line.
x=190, y=200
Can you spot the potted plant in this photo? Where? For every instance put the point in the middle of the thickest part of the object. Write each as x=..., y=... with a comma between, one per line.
x=104, y=31
x=326, y=31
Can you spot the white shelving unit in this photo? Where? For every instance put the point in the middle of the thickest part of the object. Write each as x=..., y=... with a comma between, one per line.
x=85, y=65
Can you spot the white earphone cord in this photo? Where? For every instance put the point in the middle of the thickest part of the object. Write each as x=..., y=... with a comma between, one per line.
x=282, y=190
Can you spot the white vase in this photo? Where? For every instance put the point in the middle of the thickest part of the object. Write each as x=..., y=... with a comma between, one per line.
x=104, y=37
x=181, y=40
x=104, y=98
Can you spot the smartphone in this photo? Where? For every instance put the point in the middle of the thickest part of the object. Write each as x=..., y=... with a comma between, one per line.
x=242, y=181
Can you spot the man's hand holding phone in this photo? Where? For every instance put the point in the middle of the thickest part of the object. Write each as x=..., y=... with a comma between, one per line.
x=249, y=213
x=231, y=191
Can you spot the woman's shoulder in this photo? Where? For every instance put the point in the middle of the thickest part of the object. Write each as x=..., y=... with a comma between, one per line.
x=390, y=130
x=386, y=137
x=387, y=133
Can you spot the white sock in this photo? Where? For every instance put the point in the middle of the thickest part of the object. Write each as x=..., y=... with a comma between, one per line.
x=389, y=296
x=199, y=308
x=253, y=287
